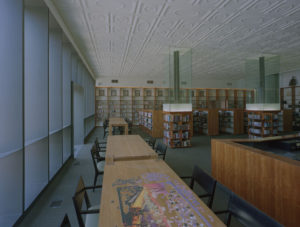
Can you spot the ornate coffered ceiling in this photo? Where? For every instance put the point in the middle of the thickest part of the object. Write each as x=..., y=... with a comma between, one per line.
x=131, y=38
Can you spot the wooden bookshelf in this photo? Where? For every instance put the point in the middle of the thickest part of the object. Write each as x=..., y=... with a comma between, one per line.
x=206, y=121
x=128, y=101
x=231, y=121
x=178, y=129
x=285, y=121
x=151, y=122
x=262, y=124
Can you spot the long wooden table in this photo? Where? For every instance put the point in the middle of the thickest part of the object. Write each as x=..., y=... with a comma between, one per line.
x=141, y=192
x=128, y=147
x=117, y=122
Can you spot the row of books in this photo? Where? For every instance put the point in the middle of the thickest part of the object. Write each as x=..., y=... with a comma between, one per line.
x=265, y=131
x=176, y=127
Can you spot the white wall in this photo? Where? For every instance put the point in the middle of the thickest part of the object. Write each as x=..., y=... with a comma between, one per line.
x=163, y=82
x=285, y=78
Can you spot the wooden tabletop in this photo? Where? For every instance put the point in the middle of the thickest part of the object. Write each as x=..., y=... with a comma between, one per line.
x=116, y=121
x=143, y=192
x=128, y=147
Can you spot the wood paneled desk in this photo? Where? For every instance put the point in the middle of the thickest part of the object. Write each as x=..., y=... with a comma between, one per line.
x=141, y=192
x=117, y=122
x=128, y=147
x=268, y=180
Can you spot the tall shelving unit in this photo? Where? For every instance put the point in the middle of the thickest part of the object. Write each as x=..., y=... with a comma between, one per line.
x=128, y=101
x=262, y=124
x=101, y=104
x=285, y=121
x=151, y=121
x=137, y=104
x=178, y=128
x=231, y=121
x=114, y=102
x=149, y=98
x=205, y=121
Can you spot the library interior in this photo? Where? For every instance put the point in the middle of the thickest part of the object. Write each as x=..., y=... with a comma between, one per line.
x=153, y=113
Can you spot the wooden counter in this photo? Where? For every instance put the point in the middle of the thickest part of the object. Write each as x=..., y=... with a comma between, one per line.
x=128, y=147
x=117, y=122
x=268, y=181
x=140, y=192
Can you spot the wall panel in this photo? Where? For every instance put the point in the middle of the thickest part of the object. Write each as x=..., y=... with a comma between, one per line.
x=55, y=152
x=55, y=81
x=36, y=169
x=11, y=112
x=67, y=73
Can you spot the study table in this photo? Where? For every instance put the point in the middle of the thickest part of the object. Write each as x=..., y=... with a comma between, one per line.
x=117, y=122
x=149, y=193
x=127, y=147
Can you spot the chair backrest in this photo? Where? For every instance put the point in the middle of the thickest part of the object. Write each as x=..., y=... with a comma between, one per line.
x=152, y=142
x=207, y=182
x=97, y=142
x=65, y=222
x=78, y=198
x=161, y=148
x=247, y=214
x=95, y=156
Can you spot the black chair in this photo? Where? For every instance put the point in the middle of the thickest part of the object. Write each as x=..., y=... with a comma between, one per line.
x=100, y=147
x=247, y=214
x=65, y=222
x=101, y=144
x=105, y=128
x=151, y=141
x=91, y=212
x=207, y=182
x=130, y=127
x=161, y=150
x=98, y=164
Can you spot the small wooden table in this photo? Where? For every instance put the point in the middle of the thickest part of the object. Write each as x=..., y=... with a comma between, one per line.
x=116, y=121
x=141, y=192
x=128, y=147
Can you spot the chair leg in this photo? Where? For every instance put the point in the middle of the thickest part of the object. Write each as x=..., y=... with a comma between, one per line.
x=228, y=220
x=95, y=180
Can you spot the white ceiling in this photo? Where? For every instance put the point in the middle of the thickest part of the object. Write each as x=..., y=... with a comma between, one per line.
x=131, y=38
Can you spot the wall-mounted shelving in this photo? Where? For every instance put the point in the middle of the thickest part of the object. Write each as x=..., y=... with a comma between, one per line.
x=128, y=101
x=178, y=128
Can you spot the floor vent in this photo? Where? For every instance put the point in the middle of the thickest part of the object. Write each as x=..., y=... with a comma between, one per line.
x=56, y=204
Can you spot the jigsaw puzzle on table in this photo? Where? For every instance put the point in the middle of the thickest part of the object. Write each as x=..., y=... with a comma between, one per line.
x=154, y=200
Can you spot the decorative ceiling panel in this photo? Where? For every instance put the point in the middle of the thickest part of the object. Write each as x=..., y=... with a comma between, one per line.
x=131, y=38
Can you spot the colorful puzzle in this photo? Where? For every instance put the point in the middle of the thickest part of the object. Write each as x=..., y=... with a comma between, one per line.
x=154, y=200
